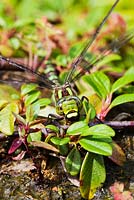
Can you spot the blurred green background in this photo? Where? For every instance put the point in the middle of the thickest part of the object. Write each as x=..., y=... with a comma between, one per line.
x=77, y=16
x=25, y=33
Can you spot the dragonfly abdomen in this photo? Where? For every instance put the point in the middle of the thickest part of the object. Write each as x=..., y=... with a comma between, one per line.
x=51, y=73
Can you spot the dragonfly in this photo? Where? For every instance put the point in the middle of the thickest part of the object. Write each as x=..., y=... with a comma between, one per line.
x=67, y=103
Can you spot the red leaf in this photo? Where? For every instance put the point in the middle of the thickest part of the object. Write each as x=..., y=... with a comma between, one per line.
x=117, y=190
x=15, y=145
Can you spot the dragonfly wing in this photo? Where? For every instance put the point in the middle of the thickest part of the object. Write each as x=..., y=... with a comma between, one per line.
x=17, y=78
x=113, y=47
x=79, y=59
x=7, y=64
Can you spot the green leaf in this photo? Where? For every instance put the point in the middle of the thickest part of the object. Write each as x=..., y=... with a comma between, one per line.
x=15, y=42
x=78, y=128
x=89, y=110
x=35, y=108
x=7, y=118
x=36, y=136
x=99, y=82
x=19, y=118
x=43, y=102
x=75, y=50
x=30, y=98
x=92, y=175
x=108, y=59
x=46, y=111
x=60, y=141
x=61, y=60
x=7, y=93
x=130, y=71
x=3, y=103
x=63, y=149
x=121, y=82
x=100, y=129
x=82, y=128
x=96, y=145
x=26, y=88
x=53, y=128
x=101, y=138
x=73, y=162
x=124, y=98
x=32, y=112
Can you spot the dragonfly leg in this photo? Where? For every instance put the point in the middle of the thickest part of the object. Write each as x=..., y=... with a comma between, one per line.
x=54, y=116
x=84, y=98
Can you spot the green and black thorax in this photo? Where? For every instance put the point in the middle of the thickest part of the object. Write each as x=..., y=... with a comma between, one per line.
x=67, y=103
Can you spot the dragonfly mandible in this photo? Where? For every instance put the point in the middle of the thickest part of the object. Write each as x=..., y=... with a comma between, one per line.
x=67, y=103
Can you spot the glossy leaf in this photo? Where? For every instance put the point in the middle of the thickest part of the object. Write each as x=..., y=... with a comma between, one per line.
x=74, y=50
x=63, y=149
x=46, y=111
x=30, y=98
x=60, y=141
x=35, y=136
x=19, y=118
x=96, y=145
x=78, y=128
x=96, y=101
x=82, y=128
x=26, y=88
x=7, y=118
x=89, y=110
x=61, y=60
x=3, y=103
x=32, y=112
x=108, y=59
x=35, y=109
x=99, y=82
x=53, y=128
x=8, y=93
x=124, y=98
x=130, y=71
x=100, y=129
x=73, y=162
x=121, y=82
x=43, y=102
x=92, y=175
x=29, y=113
x=15, y=145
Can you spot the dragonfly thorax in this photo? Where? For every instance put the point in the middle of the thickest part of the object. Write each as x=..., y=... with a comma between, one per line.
x=67, y=103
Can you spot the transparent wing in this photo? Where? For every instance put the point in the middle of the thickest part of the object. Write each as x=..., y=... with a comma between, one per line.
x=80, y=58
x=113, y=47
x=41, y=79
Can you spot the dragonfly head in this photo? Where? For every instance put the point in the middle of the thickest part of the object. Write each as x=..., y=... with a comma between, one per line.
x=67, y=104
